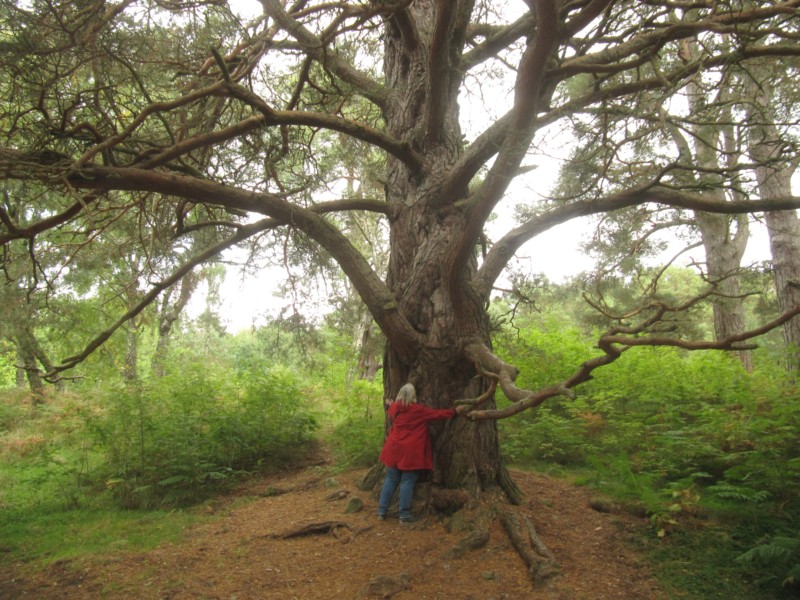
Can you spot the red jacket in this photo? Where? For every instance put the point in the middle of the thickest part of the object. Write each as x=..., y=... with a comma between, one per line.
x=408, y=445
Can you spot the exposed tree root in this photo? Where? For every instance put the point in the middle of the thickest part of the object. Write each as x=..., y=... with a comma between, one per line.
x=537, y=542
x=339, y=529
x=273, y=490
x=447, y=501
x=510, y=488
x=373, y=478
x=337, y=495
x=473, y=513
x=476, y=522
x=312, y=529
x=541, y=563
x=386, y=587
x=475, y=540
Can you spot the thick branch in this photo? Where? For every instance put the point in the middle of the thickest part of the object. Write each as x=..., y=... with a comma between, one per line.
x=154, y=108
x=497, y=258
x=399, y=149
x=435, y=105
x=405, y=25
x=379, y=300
x=446, y=44
x=498, y=41
x=648, y=42
x=589, y=13
x=518, y=137
x=268, y=116
x=242, y=234
x=609, y=61
x=15, y=232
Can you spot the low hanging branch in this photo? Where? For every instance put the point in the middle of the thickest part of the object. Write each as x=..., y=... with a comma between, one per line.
x=613, y=344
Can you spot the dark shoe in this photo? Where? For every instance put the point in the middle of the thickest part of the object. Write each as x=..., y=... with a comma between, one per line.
x=381, y=517
x=411, y=519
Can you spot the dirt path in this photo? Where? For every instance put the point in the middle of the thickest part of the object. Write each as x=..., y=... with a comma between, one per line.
x=239, y=556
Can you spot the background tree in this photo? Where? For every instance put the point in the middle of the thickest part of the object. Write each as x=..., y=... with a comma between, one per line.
x=774, y=153
x=172, y=304
x=710, y=124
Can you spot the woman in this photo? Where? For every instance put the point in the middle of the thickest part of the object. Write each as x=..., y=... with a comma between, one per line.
x=407, y=449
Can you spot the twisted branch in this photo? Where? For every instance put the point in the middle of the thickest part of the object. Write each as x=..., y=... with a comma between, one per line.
x=613, y=344
x=470, y=404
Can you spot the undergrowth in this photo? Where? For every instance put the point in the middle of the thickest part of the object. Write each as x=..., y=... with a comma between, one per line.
x=703, y=449
x=355, y=421
x=107, y=466
x=174, y=439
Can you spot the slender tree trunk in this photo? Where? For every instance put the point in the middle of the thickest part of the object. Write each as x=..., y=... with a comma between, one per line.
x=724, y=245
x=774, y=175
x=168, y=315
x=44, y=360
x=130, y=370
x=723, y=262
x=27, y=353
x=368, y=364
x=20, y=371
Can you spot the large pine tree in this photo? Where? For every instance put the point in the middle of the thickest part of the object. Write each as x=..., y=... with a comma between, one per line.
x=181, y=111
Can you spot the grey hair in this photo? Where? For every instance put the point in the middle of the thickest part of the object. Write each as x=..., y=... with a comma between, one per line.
x=406, y=395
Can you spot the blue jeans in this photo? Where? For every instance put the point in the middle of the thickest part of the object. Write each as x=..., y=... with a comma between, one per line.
x=406, y=481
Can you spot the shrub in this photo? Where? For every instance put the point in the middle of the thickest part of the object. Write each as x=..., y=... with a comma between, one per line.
x=175, y=438
x=357, y=419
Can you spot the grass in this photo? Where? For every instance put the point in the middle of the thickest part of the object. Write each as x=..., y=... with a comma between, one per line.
x=46, y=537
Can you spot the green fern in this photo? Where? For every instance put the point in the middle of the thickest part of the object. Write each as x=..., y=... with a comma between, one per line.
x=780, y=552
x=738, y=493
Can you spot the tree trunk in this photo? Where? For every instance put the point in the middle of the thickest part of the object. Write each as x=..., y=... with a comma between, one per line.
x=466, y=453
x=784, y=233
x=774, y=175
x=130, y=370
x=723, y=262
x=44, y=360
x=20, y=371
x=168, y=314
x=27, y=352
x=724, y=246
x=368, y=364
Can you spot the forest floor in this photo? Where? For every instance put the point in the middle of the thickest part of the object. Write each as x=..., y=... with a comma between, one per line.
x=241, y=552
